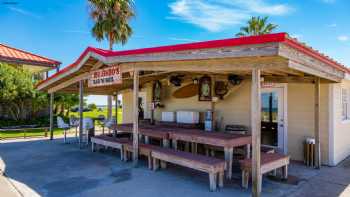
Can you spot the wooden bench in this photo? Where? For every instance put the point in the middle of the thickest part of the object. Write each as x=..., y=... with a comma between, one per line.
x=213, y=166
x=144, y=150
x=109, y=142
x=269, y=162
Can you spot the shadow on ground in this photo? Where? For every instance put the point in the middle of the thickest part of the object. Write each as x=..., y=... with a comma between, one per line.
x=54, y=169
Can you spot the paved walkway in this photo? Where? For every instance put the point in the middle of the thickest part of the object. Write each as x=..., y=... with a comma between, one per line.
x=6, y=188
x=53, y=169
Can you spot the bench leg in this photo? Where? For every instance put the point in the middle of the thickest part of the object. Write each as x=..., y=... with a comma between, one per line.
x=245, y=179
x=163, y=164
x=166, y=143
x=187, y=146
x=221, y=179
x=122, y=154
x=247, y=152
x=155, y=164
x=212, y=181
x=212, y=153
x=149, y=157
x=206, y=151
x=125, y=155
x=274, y=172
x=174, y=144
x=228, y=159
x=194, y=148
x=285, y=172
x=146, y=140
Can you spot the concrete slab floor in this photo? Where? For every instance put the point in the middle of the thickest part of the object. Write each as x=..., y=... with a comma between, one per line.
x=50, y=168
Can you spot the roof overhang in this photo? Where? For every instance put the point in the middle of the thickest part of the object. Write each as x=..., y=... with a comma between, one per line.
x=272, y=52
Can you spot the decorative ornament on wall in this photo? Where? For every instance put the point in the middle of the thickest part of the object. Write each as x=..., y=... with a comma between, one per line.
x=235, y=79
x=204, y=89
x=221, y=89
x=176, y=80
x=157, y=88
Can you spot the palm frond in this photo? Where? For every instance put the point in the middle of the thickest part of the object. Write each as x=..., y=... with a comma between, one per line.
x=257, y=26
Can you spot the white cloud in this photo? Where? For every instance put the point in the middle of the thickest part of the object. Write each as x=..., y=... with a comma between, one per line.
x=333, y=25
x=343, y=38
x=25, y=12
x=216, y=16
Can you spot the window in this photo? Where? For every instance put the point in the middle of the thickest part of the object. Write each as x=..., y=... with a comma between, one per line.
x=345, y=104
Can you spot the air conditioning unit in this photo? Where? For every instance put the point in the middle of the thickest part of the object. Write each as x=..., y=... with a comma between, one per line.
x=190, y=117
x=168, y=116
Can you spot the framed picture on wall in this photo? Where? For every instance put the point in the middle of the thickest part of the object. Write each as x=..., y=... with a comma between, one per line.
x=204, y=89
x=157, y=88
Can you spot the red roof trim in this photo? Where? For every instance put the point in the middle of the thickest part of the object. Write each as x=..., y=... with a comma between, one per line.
x=315, y=54
x=45, y=59
x=205, y=45
x=249, y=40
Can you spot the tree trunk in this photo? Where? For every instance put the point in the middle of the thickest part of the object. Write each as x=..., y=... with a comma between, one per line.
x=111, y=41
x=68, y=111
x=62, y=110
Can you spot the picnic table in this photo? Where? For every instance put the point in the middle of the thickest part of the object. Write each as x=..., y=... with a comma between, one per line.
x=227, y=141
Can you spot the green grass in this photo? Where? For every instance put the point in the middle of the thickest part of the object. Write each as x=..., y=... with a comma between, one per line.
x=28, y=133
x=96, y=113
x=36, y=133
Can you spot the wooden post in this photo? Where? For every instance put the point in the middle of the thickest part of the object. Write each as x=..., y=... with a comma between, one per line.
x=109, y=107
x=212, y=104
x=51, y=115
x=136, y=118
x=256, y=131
x=81, y=108
x=116, y=108
x=317, y=124
x=152, y=105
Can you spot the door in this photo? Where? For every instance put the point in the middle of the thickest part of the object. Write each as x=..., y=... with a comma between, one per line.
x=273, y=118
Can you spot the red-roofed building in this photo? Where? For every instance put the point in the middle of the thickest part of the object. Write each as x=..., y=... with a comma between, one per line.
x=32, y=62
x=38, y=65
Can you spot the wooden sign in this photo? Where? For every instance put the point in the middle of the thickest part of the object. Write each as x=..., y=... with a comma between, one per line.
x=105, y=77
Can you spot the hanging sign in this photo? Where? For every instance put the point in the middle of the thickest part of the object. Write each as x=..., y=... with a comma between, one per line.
x=105, y=77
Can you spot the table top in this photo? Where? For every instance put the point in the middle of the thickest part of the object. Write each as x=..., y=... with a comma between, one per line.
x=189, y=135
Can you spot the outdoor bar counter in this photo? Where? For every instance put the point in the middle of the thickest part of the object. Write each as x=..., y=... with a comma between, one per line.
x=227, y=141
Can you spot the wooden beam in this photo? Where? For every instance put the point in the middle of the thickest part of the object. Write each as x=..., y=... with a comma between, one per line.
x=69, y=82
x=51, y=115
x=81, y=109
x=136, y=118
x=317, y=124
x=288, y=79
x=210, y=65
x=256, y=131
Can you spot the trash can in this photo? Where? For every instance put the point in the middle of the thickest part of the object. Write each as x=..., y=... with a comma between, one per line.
x=309, y=152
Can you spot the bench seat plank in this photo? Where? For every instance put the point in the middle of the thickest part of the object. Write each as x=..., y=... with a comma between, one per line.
x=268, y=162
x=213, y=166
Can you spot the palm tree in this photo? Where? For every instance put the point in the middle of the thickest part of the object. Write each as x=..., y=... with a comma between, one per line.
x=111, y=19
x=257, y=26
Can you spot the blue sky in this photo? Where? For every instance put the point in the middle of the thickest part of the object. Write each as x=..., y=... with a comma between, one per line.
x=60, y=29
